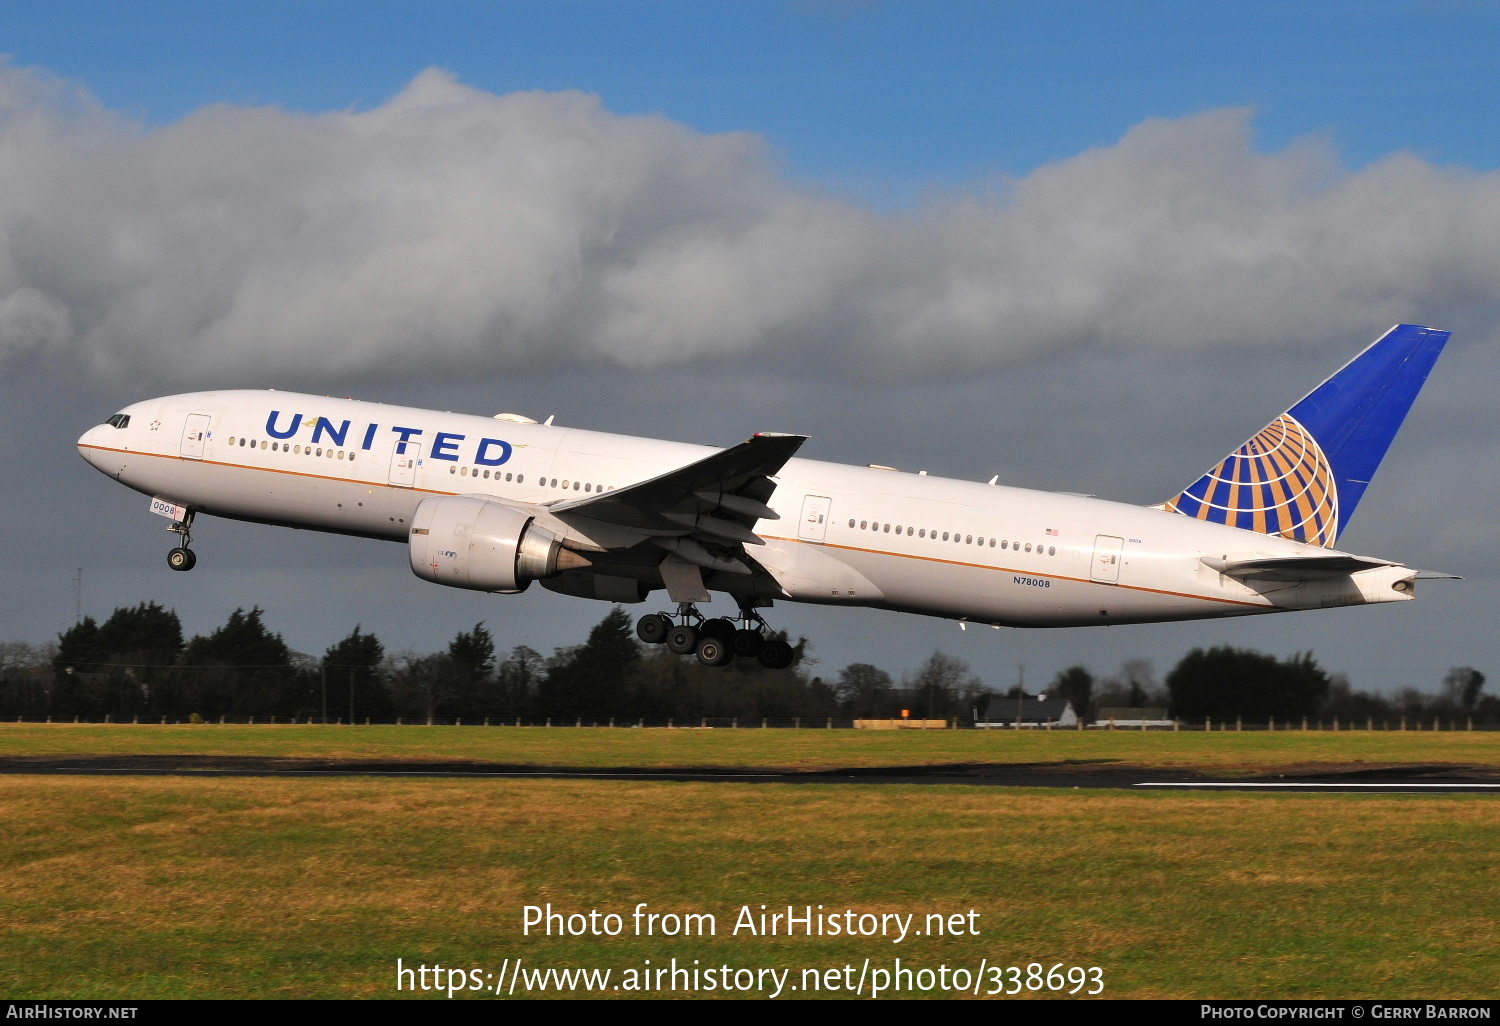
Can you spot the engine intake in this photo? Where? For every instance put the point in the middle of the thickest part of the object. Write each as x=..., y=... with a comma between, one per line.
x=484, y=546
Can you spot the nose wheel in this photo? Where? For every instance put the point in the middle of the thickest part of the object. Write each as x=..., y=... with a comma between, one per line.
x=183, y=558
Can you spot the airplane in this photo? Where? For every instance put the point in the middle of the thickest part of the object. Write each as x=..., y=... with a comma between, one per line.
x=492, y=504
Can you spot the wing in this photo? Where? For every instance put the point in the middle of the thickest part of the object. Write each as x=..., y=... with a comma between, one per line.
x=704, y=512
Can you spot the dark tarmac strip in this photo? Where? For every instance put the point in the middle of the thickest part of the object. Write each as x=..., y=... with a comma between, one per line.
x=1401, y=779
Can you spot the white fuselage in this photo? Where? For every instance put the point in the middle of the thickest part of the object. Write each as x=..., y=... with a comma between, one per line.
x=847, y=535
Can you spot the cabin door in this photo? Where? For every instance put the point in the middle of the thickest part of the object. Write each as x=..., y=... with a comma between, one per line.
x=814, y=523
x=195, y=436
x=404, y=464
x=1106, y=569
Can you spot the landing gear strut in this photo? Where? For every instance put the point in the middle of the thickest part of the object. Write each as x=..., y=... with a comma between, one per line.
x=182, y=558
x=716, y=642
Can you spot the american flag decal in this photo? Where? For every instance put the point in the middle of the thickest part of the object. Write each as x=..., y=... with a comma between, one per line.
x=1051, y=530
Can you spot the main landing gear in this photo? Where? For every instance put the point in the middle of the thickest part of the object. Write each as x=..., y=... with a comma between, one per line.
x=182, y=558
x=716, y=642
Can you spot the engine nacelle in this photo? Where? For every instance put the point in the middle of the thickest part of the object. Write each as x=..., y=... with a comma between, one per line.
x=485, y=546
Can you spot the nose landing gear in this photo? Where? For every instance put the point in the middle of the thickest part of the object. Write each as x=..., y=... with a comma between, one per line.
x=183, y=558
x=716, y=642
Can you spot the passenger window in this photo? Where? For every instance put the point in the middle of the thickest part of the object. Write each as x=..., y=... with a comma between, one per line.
x=863, y=524
x=992, y=543
x=351, y=455
x=588, y=487
x=887, y=528
x=1028, y=546
x=453, y=470
x=520, y=478
x=341, y=454
x=262, y=445
x=554, y=482
x=922, y=533
x=968, y=539
x=507, y=477
x=575, y=486
x=945, y=536
x=1051, y=550
x=231, y=437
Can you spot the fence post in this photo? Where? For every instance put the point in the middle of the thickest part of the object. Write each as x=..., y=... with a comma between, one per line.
x=670, y=722
x=1238, y=724
x=1208, y=723
x=1335, y=724
x=797, y=723
x=830, y=723
x=763, y=723
x=1176, y=726
x=734, y=724
x=1471, y=723
x=1271, y=727
x=1304, y=724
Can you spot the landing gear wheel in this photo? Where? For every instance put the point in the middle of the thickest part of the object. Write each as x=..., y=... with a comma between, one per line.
x=181, y=559
x=747, y=643
x=653, y=628
x=682, y=640
x=714, y=651
x=718, y=627
x=776, y=654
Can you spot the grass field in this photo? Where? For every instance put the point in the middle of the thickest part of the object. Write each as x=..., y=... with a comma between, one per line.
x=1226, y=752
x=171, y=887
x=181, y=887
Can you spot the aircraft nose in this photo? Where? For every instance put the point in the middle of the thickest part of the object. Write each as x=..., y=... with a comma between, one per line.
x=86, y=444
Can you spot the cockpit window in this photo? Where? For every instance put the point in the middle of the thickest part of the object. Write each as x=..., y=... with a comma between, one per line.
x=119, y=420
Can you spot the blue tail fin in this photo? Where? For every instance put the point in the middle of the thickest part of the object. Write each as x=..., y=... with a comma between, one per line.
x=1304, y=474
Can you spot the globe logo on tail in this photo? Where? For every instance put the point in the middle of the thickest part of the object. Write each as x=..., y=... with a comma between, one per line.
x=1280, y=482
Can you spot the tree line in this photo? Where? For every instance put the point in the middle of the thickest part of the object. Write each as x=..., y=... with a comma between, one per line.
x=138, y=664
x=1225, y=683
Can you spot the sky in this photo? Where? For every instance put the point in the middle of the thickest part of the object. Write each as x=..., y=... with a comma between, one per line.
x=1088, y=247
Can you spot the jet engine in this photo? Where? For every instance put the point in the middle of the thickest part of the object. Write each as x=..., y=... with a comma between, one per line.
x=485, y=546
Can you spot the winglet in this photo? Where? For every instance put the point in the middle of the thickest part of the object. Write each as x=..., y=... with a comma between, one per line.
x=1303, y=475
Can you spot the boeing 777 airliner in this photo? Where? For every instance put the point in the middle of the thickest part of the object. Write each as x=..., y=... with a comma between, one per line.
x=492, y=504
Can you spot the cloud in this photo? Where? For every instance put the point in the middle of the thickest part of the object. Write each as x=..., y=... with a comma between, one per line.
x=455, y=232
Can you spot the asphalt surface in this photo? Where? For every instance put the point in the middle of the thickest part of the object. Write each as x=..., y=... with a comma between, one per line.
x=1357, y=779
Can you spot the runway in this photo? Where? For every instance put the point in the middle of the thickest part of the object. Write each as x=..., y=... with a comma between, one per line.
x=1323, y=779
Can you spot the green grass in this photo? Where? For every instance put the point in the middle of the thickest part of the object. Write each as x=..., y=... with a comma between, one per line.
x=192, y=887
x=793, y=749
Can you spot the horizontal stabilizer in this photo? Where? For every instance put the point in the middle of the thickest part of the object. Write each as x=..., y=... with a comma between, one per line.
x=1294, y=568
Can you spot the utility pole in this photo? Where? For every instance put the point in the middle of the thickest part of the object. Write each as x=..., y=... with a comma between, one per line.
x=351, y=696
x=78, y=596
x=323, y=677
